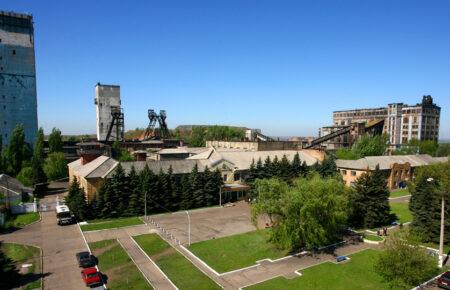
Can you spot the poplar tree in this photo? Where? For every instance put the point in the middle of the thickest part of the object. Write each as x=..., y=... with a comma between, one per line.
x=16, y=150
x=55, y=143
x=38, y=174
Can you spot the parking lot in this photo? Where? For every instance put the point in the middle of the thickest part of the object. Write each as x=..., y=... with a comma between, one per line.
x=208, y=223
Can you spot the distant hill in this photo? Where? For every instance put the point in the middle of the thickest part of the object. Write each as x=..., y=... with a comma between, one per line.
x=190, y=127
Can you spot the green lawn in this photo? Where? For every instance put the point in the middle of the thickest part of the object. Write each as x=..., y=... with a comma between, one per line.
x=24, y=254
x=21, y=220
x=400, y=192
x=238, y=251
x=115, y=263
x=111, y=223
x=373, y=238
x=357, y=273
x=402, y=211
x=179, y=269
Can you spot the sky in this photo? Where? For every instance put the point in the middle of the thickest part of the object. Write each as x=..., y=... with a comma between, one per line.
x=281, y=66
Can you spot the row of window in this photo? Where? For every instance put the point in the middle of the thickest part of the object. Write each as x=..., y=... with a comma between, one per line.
x=344, y=172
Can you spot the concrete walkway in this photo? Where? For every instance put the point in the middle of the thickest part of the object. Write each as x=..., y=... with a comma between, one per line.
x=153, y=274
x=59, y=245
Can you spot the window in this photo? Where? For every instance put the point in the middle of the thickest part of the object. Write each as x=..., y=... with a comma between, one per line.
x=344, y=172
x=237, y=177
x=353, y=173
x=14, y=52
x=225, y=177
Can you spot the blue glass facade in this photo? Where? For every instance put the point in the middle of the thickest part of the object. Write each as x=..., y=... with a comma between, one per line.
x=18, y=101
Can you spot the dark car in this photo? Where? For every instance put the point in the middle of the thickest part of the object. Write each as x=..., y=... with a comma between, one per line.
x=91, y=277
x=85, y=259
x=444, y=280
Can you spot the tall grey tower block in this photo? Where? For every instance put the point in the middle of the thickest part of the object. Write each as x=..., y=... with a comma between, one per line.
x=18, y=104
x=108, y=105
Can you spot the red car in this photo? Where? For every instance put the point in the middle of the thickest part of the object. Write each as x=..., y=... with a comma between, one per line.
x=444, y=280
x=91, y=276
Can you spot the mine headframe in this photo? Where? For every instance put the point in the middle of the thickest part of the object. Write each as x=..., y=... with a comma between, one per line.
x=117, y=123
x=156, y=133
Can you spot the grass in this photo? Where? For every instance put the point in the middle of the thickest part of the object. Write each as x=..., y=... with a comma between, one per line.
x=402, y=211
x=357, y=273
x=237, y=251
x=24, y=254
x=179, y=269
x=399, y=193
x=115, y=263
x=20, y=220
x=373, y=238
x=111, y=223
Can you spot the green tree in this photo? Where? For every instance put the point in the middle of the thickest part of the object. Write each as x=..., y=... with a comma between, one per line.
x=2, y=163
x=76, y=201
x=346, y=154
x=197, y=138
x=404, y=263
x=309, y=214
x=134, y=204
x=285, y=169
x=55, y=166
x=186, y=197
x=328, y=166
x=196, y=183
x=259, y=169
x=430, y=185
x=296, y=166
x=371, y=146
x=369, y=201
x=37, y=161
x=119, y=191
x=443, y=150
x=55, y=143
x=25, y=176
x=16, y=150
x=9, y=274
x=267, y=168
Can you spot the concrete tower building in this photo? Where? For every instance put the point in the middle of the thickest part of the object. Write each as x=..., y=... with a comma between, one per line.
x=107, y=101
x=18, y=103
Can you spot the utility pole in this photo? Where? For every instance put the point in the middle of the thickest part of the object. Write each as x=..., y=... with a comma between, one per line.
x=189, y=228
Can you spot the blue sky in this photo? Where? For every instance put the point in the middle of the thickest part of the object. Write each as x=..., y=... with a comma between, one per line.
x=282, y=66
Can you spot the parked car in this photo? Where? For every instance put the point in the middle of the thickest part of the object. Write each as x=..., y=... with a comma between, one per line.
x=91, y=276
x=85, y=259
x=444, y=280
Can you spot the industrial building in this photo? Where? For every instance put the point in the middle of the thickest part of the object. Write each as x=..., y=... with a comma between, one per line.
x=18, y=101
x=110, y=119
x=398, y=170
x=401, y=122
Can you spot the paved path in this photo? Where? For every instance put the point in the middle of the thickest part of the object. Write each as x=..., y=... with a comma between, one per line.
x=59, y=245
x=150, y=270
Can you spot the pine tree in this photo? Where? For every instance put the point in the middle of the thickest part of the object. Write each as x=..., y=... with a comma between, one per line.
x=275, y=169
x=196, y=183
x=172, y=196
x=371, y=200
x=119, y=192
x=134, y=206
x=76, y=201
x=186, y=196
x=267, y=168
x=304, y=169
x=285, y=169
x=328, y=167
x=251, y=173
x=37, y=161
x=2, y=163
x=163, y=190
x=296, y=166
x=211, y=190
x=259, y=169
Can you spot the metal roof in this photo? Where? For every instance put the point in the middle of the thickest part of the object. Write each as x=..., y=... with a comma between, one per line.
x=385, y=162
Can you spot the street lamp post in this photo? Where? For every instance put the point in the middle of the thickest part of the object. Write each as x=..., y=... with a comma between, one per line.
x=145, y=206
x=189, y=228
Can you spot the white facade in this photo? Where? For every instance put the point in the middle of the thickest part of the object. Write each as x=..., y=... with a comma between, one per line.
x=107, y=98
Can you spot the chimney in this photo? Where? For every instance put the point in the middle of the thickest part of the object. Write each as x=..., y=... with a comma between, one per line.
x=89, y=151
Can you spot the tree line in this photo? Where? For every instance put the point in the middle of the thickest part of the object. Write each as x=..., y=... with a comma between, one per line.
x=126, y=194
x=28, y=163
